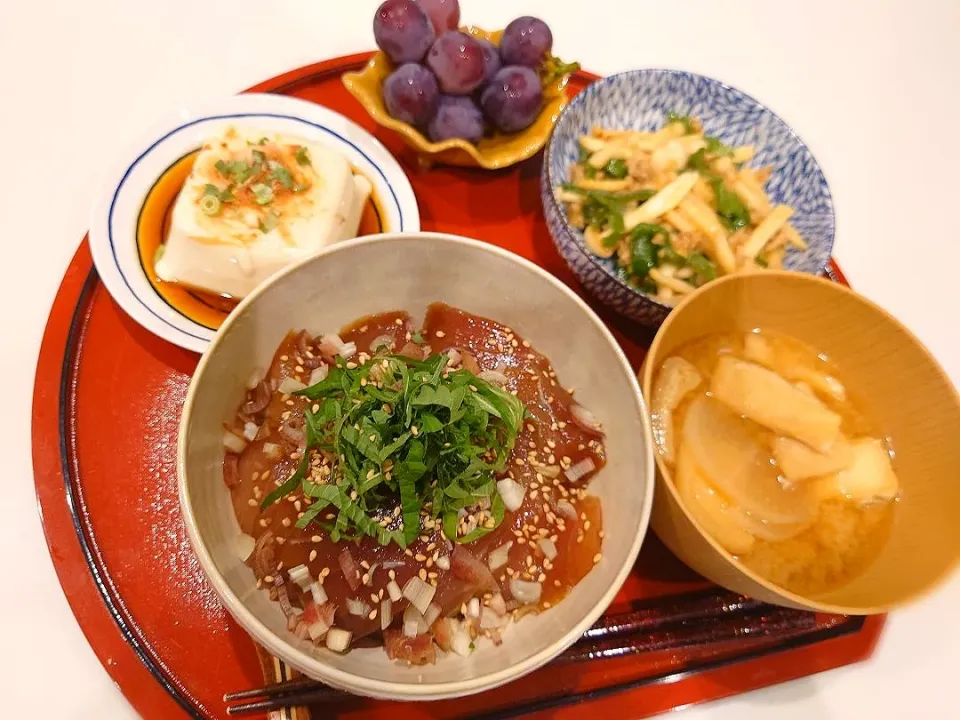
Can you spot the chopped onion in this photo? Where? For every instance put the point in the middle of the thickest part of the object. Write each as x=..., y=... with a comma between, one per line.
x=245, y=545
x=419, y=593
x=381, y=341
x=256, y=377
x=413, y=622
x=460, y=642
x=317, y=630
x=443, y=562
x=394, y=590
x=259, y=399
x=271, y=450
x=283, y=599
x=586, y=420
x=301, y=576
x=386, y=613
x=494, y=376
x=565, y=508
x=473, y=608
x=548, y=547
x=511, y=493
x=497, y=604
x=489, y=619
x=319, y=374
x=410, y=628
x=349, y=568
x=453, y=357
x=339, y=640
x=576, y=471
x=319, y=594
x=290, y=385
x=499, y=557
x=357, y=607
x=524, y=591
x=431, y=615
x=233, y=443
x=318, y=619
x=250, y=431
x=392, y=564
x=331, y=345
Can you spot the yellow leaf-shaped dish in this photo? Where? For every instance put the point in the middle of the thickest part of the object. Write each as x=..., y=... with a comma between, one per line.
x=493, y=152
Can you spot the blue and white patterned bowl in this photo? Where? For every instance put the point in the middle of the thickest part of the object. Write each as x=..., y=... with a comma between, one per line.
x=640, y=100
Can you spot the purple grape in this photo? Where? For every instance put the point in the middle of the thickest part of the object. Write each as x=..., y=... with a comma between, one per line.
x=526, y=41
x=457, y=61
x=491, y=59
x=410, y=93
x=457, y=117
x=444, y=14
x=513, y=98
x=403, y=30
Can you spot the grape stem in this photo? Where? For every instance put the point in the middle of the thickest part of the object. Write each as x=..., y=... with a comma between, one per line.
x=554, y=68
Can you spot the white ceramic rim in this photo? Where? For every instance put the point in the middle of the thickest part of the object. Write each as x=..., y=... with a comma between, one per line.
x=410, y=691
x=121, y=196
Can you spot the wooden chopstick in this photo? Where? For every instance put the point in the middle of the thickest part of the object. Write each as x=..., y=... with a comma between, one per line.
x=691, y=621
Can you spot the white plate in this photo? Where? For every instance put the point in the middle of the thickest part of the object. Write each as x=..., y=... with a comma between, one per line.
x=113, y=225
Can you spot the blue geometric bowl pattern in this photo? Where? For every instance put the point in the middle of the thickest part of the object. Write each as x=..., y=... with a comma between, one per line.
x=640, y=100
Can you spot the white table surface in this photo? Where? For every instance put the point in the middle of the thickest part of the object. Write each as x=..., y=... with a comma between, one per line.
x=872, y=87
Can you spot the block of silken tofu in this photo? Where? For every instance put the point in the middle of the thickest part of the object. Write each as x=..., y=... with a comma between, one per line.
x=254, y=202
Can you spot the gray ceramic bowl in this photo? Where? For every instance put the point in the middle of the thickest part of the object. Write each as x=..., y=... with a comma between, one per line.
x=390, y=272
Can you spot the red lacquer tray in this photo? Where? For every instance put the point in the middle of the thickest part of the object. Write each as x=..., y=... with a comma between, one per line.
x=106, y=407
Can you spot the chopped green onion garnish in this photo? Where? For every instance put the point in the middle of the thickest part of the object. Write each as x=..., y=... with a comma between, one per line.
x=210, y=205
x=616, y=168
x=263, y=194
x=303, y=156
x=281, y=174
x=268, y=223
